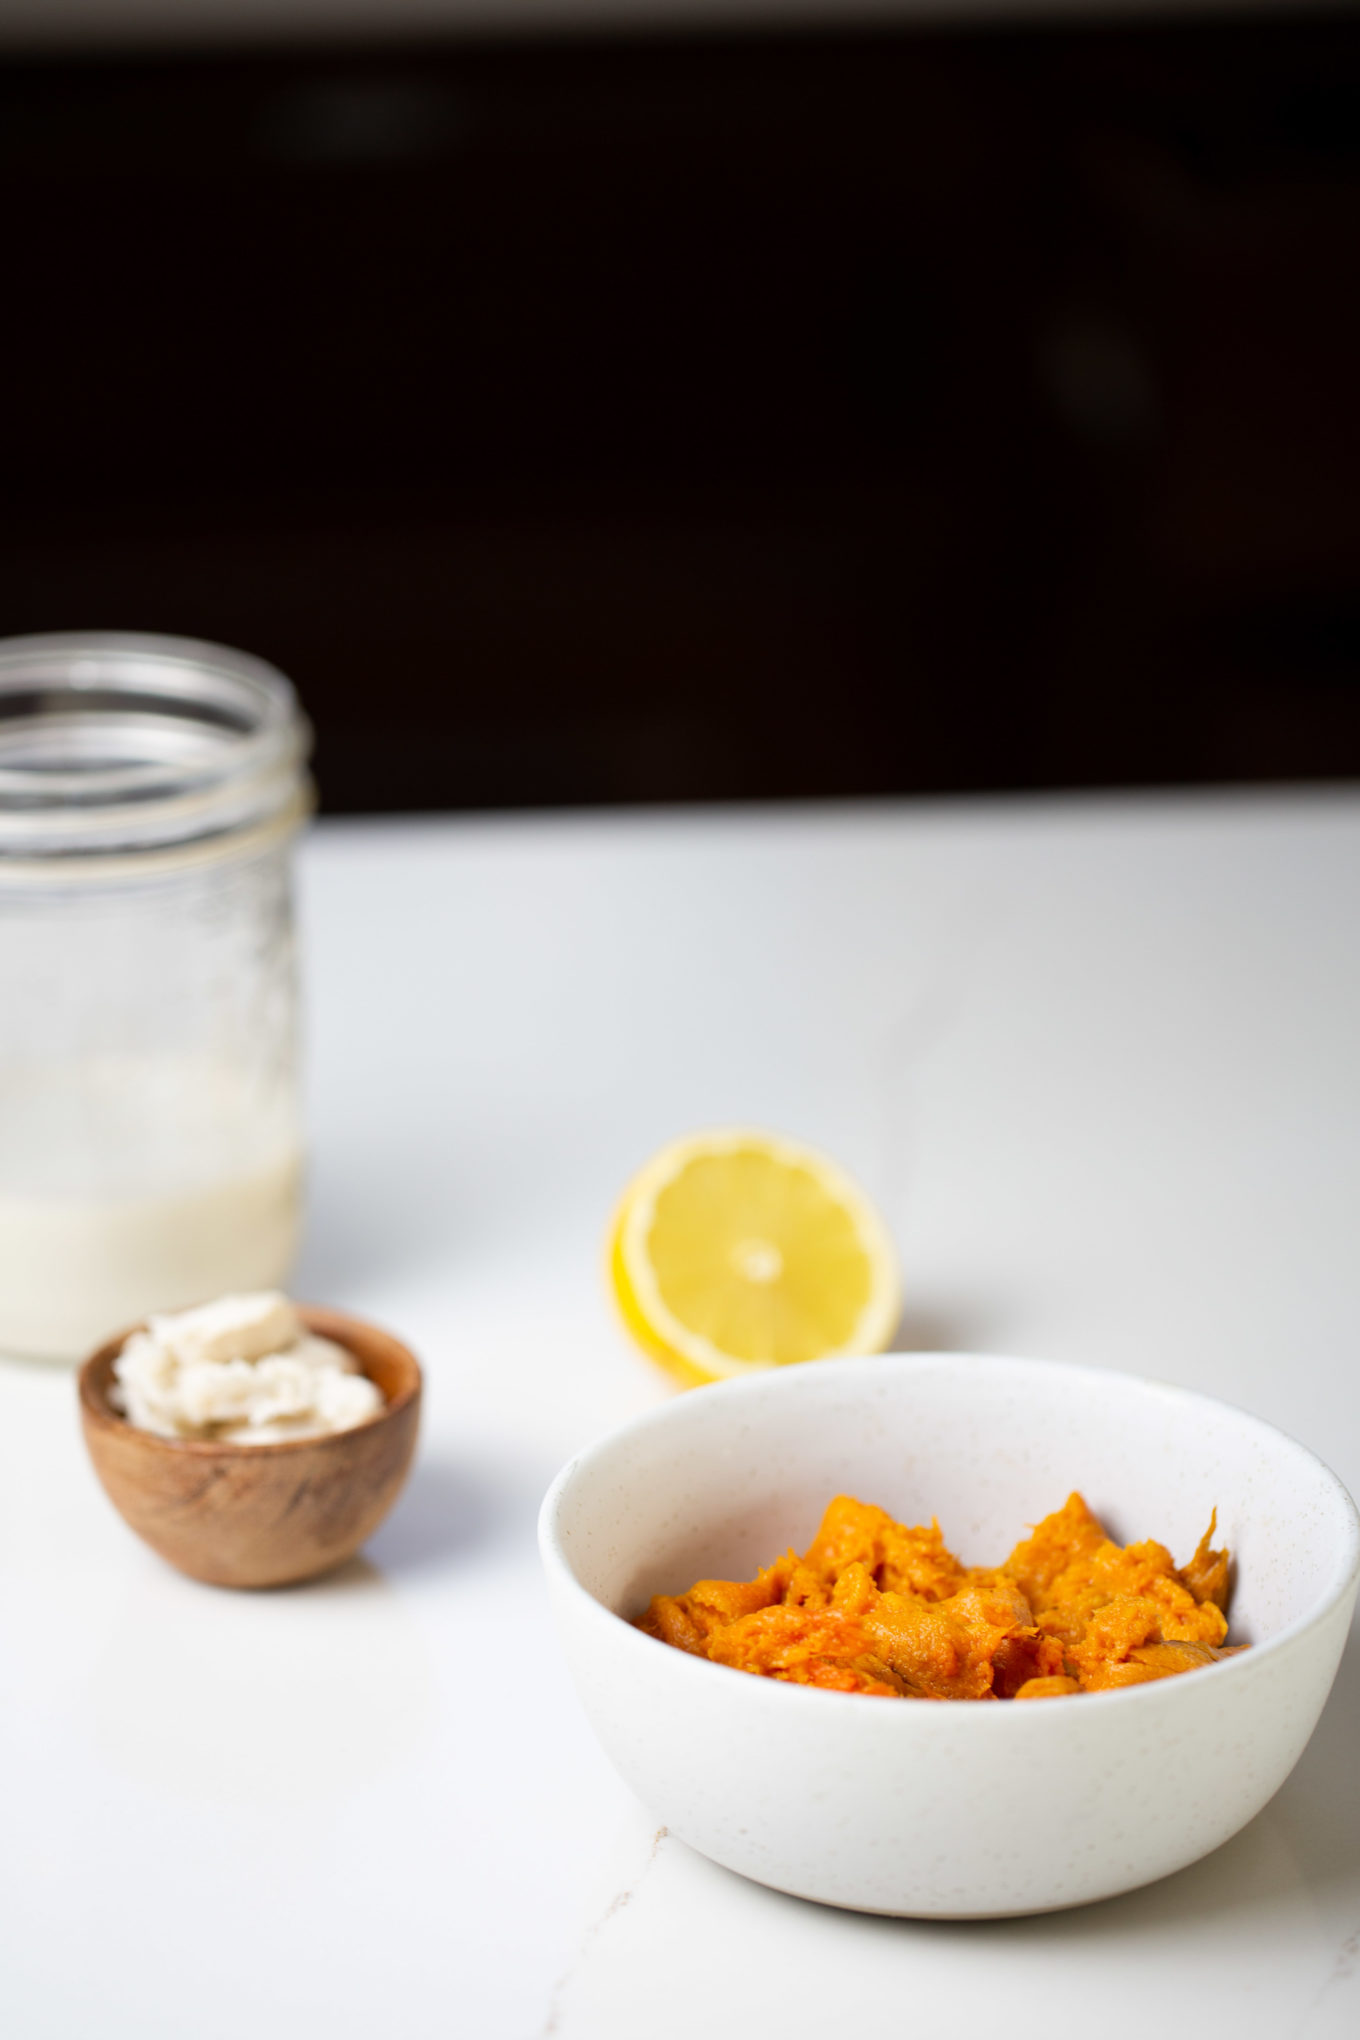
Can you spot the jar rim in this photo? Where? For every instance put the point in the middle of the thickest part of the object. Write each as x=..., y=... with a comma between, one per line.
x=116, y=742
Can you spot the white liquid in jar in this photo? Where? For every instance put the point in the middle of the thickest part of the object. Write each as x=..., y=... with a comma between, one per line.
x=132, y=1185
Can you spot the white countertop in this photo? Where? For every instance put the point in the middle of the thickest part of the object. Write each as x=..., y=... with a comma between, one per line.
x=1099, y=1062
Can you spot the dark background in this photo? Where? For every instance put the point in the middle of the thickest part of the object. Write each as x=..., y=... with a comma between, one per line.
x=711, y=418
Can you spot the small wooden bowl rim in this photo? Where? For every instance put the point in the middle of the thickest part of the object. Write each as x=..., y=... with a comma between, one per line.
x=347, y=1331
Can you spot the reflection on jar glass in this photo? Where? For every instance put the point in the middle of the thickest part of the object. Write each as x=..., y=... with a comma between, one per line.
x=150, y=1141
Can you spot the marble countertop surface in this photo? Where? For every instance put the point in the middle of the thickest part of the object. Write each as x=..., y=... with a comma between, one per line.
x=1098, y=1061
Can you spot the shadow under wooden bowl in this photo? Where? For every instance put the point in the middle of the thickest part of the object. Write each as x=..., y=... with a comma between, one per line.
x=260, y=1515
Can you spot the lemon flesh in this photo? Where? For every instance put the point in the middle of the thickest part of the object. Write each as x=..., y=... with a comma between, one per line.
x=736, y=1251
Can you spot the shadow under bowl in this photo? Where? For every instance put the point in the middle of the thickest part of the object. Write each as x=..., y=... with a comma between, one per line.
x=260, y=1515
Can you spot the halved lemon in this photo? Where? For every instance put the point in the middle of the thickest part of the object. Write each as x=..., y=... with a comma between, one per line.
x=736, y=1250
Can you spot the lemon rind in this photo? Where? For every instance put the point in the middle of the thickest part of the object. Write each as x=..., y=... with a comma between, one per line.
x=637, y=1295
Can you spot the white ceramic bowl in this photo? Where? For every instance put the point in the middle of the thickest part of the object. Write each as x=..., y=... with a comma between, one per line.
x=948, y=1809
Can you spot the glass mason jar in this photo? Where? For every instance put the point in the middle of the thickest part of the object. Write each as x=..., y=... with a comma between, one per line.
x=150, y=1131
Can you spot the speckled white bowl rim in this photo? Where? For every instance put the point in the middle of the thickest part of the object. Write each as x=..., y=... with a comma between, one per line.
x=1344, y=1581
x=745, y=1692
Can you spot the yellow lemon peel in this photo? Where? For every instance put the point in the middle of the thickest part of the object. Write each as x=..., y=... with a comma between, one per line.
x=737, y=1250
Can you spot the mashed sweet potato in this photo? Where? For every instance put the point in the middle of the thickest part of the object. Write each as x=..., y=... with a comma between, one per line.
x=875, y=1607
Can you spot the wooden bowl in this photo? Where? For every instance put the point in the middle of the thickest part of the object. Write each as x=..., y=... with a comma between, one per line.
x=260, y=1515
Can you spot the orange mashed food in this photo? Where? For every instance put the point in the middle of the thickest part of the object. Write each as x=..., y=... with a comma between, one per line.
x=875, y=1607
